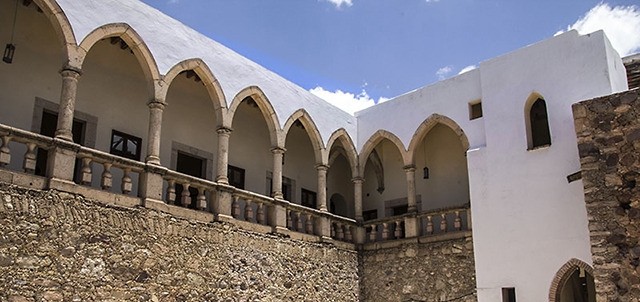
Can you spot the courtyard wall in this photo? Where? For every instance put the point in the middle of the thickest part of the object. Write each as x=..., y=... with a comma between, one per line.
x=56, y=246
x=608, y=130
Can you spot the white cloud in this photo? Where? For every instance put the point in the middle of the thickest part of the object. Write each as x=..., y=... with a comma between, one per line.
x=340, y=3
x=468, y=68
x=347, y=101
x=443, y=72
x=620, y=23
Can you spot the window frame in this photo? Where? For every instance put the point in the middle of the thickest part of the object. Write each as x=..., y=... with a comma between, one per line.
x=305, y=194
x=242, y=172
x=125, y=139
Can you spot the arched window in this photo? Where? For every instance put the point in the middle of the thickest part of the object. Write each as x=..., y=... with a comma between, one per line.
x=538, y=124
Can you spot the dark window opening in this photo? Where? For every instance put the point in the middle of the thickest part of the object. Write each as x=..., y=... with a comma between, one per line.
x=236, y=176
x=48, y=126
x=540, y=135
x=475, y=111
x=125, y=145
x=308, y=198
x=369, y=215
x=399, y=210
x=193, y=166
x=508, y=294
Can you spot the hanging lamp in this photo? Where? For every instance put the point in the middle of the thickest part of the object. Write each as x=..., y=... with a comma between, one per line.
x=10, y=49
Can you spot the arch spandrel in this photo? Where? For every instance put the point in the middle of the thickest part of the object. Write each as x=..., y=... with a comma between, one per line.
x=267, y=110
x=426, y=126
x=134, y=42
x=311, y=129
x=373, y=141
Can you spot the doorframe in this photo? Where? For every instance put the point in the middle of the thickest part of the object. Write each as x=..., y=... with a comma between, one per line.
x=91, y=122
x=195, y=152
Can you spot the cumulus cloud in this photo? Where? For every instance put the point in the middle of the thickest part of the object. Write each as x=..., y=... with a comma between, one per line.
x=443, y=72
x=620, y=23
x=347, y=101
x=340, y=3
x=468, y=68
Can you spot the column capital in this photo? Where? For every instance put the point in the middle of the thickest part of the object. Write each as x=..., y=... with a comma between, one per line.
x=156, y=104
x=278, y=150
x=322, y=167
x=70, y=71
x=409, y=168
x=224, y=130
x=358, y=180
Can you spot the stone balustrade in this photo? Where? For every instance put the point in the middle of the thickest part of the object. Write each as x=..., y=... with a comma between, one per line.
x=118, y=180
x=29, y=140
x=93, y=160
x=430, y=223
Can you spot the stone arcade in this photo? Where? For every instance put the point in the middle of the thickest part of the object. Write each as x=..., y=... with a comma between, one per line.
x=140, y=160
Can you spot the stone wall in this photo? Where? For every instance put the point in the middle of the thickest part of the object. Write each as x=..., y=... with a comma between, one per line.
x=608, y=130
x=438, y=271
x=56, y=246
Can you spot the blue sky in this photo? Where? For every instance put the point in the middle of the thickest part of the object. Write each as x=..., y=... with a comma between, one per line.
x=369, y=50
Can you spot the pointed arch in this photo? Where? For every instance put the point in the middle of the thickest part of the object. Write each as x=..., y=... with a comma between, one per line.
x=312, y=130
x=208, y=79
x=62, y=27
x=427, y=125
x=536, y=118
x=563, y=275
x=134, y=42
x=269, y=114
x=373, y=141
x=347, y=145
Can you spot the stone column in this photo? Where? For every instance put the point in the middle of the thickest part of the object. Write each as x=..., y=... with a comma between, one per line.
x=410, y=171
x=276, y=180
x=156, y=108
x=68, y=94
x=223, y=154
x=322, y=187
x=357, y=196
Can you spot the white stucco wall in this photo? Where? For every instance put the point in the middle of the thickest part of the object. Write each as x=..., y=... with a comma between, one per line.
x=527, y=219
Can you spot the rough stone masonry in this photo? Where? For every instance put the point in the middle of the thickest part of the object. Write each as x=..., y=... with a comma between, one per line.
x=56, y=246
x=608, y=130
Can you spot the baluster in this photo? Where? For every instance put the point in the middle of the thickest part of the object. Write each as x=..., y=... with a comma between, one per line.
x=443, y=222
x=289, y=220
x=309, y=224
x=248, y=210
x=29, y=164
x=107, y=179
x=201, y=200
x=5, y=152
x=261, y=217
x=457, y=223
x=347, y=233
x=86, y=171
x=398, y=231
x=299, y=225
x=429, y=229
x=333, y=230
x=185, y=199
x=373, y=236
x=127, y=184
x=235, y=207
x=385, y=230
x=340, y=231
x=171, y=191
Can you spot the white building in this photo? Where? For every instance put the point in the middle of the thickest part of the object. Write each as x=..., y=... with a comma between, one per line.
x=499, y=137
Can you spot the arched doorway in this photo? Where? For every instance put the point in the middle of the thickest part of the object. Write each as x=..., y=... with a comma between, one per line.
x=338, y=205
x=573, y=283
